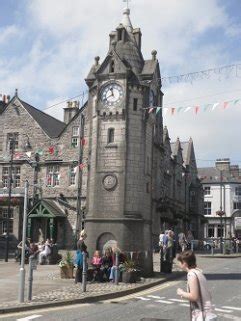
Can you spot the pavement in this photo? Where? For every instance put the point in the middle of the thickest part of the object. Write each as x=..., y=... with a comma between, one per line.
x=50, y=290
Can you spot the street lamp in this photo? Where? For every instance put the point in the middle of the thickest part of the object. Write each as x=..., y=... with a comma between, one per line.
x=221, y=214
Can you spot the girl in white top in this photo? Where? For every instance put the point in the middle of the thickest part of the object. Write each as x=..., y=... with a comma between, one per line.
x=197, y=289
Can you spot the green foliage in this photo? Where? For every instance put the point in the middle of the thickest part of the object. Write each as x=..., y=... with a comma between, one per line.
x=129, y=266
x=67, y=260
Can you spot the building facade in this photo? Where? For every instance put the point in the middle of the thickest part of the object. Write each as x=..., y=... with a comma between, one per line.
x=109, y=164
x=222, y=192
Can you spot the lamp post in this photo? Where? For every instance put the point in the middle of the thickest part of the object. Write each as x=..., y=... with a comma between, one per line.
x=10, y=181
x=220, y=214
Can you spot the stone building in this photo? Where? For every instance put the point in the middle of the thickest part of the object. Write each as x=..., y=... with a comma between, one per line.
x=222, y=192
x=109, y=162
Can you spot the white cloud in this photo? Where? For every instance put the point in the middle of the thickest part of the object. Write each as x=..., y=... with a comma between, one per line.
x=64, y=36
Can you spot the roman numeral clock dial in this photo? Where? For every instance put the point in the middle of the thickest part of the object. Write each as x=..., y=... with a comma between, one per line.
x=112, y=95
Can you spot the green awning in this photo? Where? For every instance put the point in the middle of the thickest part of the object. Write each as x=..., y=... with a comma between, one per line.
x=46, y=208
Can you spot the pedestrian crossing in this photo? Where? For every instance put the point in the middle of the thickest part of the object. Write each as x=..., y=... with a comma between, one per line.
x=222, y=310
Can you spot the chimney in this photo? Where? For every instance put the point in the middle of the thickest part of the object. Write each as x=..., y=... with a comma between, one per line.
x=71, y=110
x=223, y=164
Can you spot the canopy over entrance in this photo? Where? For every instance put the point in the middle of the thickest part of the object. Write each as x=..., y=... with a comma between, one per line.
x=43, y=220
x=46, y=208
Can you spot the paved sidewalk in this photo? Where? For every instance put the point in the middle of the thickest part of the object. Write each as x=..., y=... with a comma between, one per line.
x=49, y=289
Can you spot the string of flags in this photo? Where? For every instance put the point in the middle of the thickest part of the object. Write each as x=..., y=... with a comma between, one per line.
x=195, y=109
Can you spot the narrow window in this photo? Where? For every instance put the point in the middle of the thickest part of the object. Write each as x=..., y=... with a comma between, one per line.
x=75, y=137
x=135, y=101
x=53, y=175
x=111, y=135
x=72, y=174
x=112, y=66
x=12, y=141
x=119, y=35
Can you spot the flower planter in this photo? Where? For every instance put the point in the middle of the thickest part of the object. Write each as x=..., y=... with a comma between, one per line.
x=129, y=276
x=66, y=272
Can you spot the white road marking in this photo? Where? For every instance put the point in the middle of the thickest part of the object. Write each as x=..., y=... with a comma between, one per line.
x=156, y=297
x=164, y=301
x=230, y=317
x=31, y=317
x=233, y=308
x=184, y=305
x=222, y=310
x=141, y=298
x=178, y=300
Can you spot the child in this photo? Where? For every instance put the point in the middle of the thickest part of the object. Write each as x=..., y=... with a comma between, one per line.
x=198, y=293
x=96, y=263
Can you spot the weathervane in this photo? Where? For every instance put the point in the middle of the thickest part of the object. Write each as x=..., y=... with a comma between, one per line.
x=127, y=3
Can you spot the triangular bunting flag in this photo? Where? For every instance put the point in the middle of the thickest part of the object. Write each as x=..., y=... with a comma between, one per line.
x=165, y=111
x=215, y=106
x=236, y=101
x=225, y=104
x=179, y=109
x=150, y=110
x=187, y=109
x=197, y=108
x=158, y=109
x=206, y=107
x=29, y=154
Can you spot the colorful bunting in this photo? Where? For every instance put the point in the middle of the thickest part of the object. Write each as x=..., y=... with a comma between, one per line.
x=197, y=108
x=225, y=104
x=215, y=105
x=173, y=110
x=51, y=150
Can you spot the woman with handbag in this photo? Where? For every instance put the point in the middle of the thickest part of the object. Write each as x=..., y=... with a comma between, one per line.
x=201, y=308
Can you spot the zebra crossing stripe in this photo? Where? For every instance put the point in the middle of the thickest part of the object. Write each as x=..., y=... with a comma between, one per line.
x=184, y=305
x=143, y=299
x=233, y=308
x=222, y=310
x=178, y=300
x=156, y=297
x=164, y=301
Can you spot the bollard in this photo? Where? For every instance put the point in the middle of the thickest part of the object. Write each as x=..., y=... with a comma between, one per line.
x=84, y=272
x=237, y=243
x=30, y=278
x=116, y=268
x=212, y=249
x=161, y=258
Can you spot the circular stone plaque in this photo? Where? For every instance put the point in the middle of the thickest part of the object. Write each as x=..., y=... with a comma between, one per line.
x=109, y=182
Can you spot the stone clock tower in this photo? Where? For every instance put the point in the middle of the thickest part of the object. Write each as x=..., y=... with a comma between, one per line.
x=121, y=138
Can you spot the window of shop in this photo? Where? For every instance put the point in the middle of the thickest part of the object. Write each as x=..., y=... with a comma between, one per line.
x=220, y=231
x=210, y=230
x=236, y=205
x=3, y=220
x=207, y=208
x=238, y=190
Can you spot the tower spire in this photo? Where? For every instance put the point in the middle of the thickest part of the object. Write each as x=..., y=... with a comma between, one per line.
x=126, y=21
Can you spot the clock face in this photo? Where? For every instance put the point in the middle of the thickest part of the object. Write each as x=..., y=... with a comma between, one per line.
x=151, y=98
x=110, y=182
x=112, y=94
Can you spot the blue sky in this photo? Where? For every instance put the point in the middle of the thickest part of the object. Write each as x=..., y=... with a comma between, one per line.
x=47, y=48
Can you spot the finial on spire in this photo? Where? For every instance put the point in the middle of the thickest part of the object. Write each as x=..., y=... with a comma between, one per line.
x=127, y=3
x=126, y=22
x=16, y=92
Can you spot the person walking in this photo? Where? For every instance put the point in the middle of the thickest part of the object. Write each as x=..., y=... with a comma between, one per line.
x=201, y=308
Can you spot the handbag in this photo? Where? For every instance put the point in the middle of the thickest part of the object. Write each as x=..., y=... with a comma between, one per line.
x=202, y=315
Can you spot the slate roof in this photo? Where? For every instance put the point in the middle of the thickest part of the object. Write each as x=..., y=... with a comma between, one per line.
x=50, y=125
x=211, y=175
x=2, y=106
x=185, y=152
x=130, y=54
x=149, y=67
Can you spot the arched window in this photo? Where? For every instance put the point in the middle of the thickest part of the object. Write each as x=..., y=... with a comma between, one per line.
x=112, y=66
x=111, y=135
